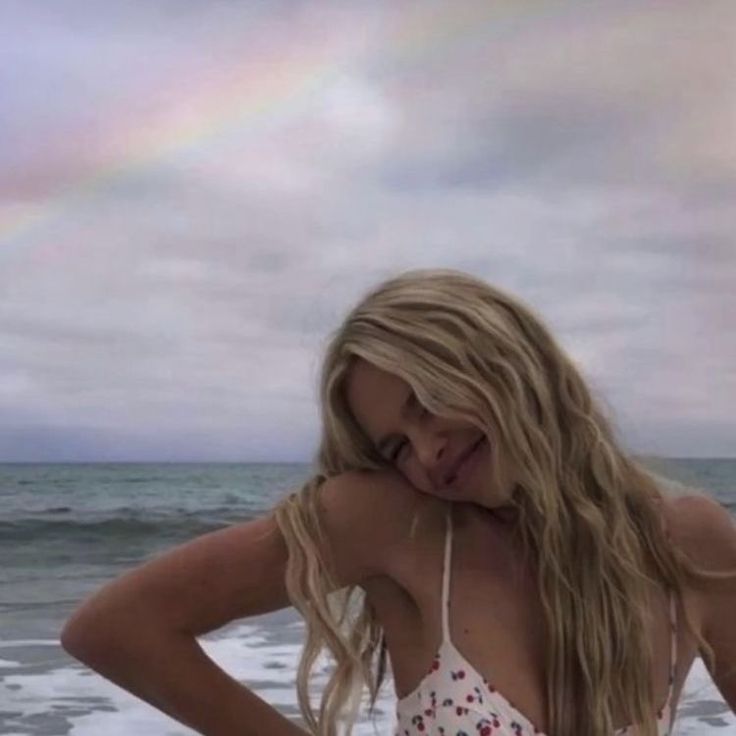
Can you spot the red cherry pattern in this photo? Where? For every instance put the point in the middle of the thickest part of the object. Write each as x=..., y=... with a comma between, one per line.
x=467, y=709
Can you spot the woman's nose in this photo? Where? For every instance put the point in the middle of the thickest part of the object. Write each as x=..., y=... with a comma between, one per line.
x=430, y=448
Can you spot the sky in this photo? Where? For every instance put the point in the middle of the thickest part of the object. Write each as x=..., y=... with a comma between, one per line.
x=193, y=194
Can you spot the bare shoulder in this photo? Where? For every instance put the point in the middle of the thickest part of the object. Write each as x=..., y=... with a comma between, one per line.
x=709, y=535
x=705, y=531
x=239, y=571
x=703, y=528
x=368, y=518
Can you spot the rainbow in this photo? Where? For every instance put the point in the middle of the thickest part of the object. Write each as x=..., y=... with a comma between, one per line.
x=248, y=97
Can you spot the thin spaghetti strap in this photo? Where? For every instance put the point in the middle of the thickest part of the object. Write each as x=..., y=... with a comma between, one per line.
x=673, y=661
x=673, y=647
x=446, y=570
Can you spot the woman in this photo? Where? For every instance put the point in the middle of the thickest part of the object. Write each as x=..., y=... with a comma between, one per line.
x=473, y=517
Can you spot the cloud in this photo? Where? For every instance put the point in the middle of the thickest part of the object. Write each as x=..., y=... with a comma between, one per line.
x=192, y=195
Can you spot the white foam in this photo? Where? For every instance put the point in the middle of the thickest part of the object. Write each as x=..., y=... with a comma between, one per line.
x=270, y=670
x=16, y=643
x=699, y=688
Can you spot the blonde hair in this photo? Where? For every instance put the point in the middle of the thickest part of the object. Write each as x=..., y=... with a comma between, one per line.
x=587, y=513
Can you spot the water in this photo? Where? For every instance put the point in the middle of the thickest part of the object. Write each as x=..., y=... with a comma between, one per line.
x=67, y=529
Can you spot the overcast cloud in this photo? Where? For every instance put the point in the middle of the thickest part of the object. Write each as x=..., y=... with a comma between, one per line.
x=193, y=193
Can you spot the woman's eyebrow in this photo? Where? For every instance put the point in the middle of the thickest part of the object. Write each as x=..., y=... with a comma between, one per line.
x=406, y=407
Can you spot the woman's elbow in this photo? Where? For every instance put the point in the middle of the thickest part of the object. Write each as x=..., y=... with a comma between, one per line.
x=82, y=637
x=98, y=629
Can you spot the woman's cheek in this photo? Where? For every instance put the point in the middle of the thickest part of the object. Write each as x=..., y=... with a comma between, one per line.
x=418, y=479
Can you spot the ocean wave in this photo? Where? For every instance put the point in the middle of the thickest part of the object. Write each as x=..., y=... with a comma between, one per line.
x=113, y=529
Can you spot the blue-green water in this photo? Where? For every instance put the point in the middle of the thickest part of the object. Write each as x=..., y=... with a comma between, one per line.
x=66, y=528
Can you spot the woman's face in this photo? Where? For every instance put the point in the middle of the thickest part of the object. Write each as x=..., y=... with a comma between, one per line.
x=448, y=458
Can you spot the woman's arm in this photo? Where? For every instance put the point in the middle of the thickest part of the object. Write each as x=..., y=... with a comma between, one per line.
x=140, y=630
x=712, y=545
x=720, y=609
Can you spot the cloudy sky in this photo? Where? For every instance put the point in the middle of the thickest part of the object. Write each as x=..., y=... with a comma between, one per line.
x=192, y=193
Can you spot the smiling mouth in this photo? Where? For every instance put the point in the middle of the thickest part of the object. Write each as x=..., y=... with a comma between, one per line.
x=453, y=477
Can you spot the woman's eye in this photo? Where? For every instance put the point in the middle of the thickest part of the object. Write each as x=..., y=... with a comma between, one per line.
x=398, y=449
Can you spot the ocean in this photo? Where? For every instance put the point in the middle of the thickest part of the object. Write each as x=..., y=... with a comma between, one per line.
x=67, y=529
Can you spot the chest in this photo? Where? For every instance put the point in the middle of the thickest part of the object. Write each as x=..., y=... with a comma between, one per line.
x=491, y=612
x=494, y=618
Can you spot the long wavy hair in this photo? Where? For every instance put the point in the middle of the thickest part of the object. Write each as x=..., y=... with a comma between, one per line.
x=586, y=512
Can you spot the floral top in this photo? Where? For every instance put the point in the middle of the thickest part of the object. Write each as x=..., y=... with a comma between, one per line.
x=454, y=699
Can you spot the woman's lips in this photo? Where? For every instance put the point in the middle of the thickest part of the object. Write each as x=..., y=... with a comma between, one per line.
x=462, y=470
